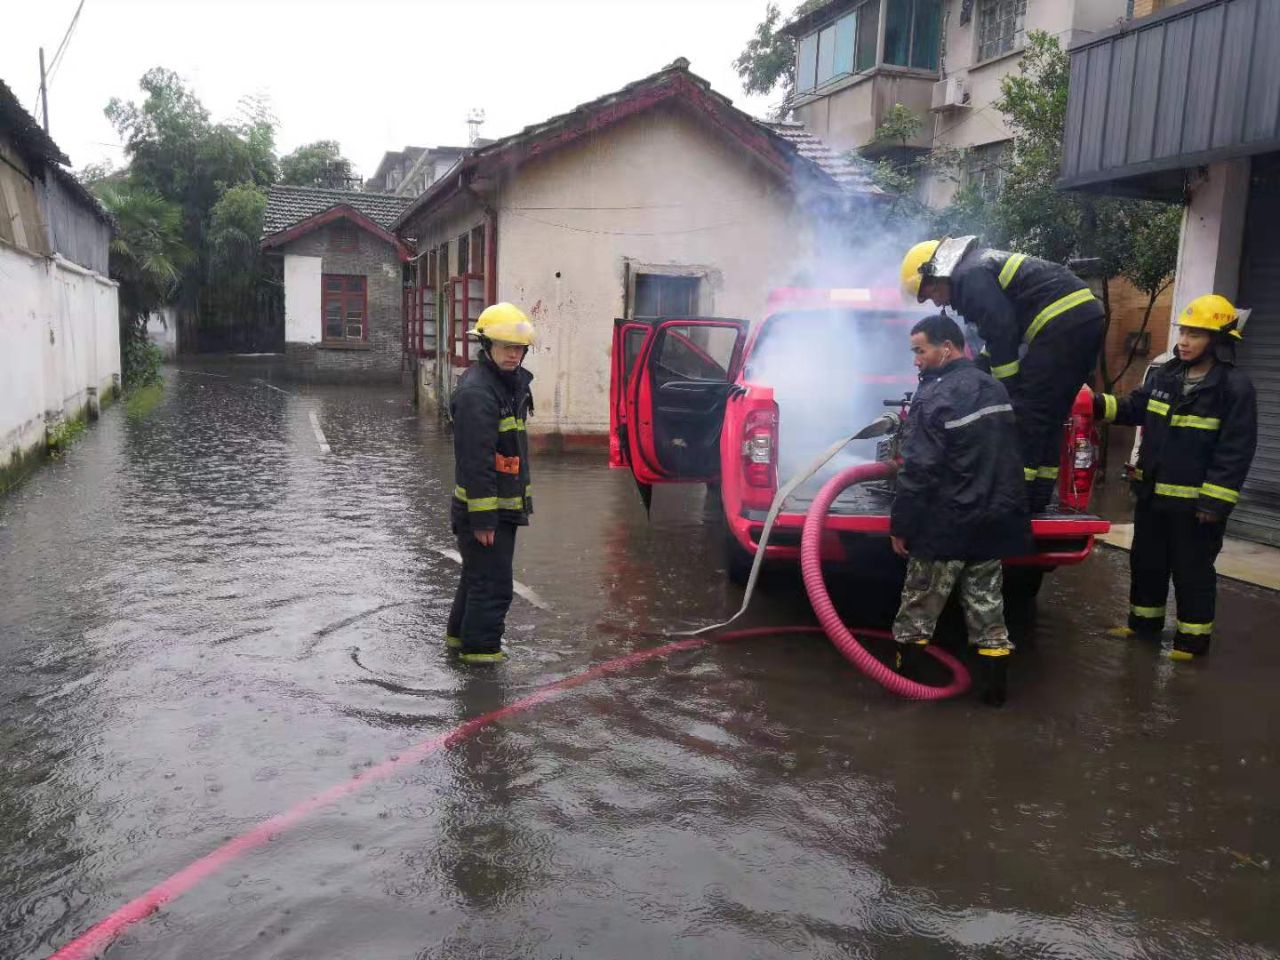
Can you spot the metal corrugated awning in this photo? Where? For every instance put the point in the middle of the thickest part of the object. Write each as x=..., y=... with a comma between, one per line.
x=1195, y=84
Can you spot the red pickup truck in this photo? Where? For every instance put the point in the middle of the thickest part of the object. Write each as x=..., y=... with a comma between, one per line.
x=707, y=400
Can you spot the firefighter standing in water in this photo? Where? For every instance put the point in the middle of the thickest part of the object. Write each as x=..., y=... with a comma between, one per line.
x=492, y=494
x=960, y=504
x=1199, y=420
x=1042, y=327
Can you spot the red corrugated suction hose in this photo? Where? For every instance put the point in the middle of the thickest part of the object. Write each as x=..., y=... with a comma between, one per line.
x=844, y=639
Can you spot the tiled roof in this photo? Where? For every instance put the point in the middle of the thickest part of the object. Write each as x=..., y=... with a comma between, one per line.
x=27, y=136
x=794, y=146
x=849, y=173
x=289, y=205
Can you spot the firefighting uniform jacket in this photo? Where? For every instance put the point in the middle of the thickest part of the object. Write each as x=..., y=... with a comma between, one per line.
x=1196, y=450
x=491, y=448
x=1043, y=328
x=960, y=494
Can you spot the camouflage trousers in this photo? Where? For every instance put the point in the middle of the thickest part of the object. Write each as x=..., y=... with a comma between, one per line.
x=929, y=585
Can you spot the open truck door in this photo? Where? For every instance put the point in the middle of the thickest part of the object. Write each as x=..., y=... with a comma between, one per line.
x=671, y=379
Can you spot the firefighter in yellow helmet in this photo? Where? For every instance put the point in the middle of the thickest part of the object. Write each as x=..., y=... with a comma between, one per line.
x=491, y=496
x=1199, y=420
x=1042, y=328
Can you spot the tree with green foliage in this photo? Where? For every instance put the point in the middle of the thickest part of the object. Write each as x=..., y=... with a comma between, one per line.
x=318, y=164
x=236, y=265
x=769, y=57
x=176, y=152
x=147, y=258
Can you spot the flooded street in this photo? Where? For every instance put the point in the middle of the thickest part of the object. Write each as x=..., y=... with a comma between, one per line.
x=216, y=608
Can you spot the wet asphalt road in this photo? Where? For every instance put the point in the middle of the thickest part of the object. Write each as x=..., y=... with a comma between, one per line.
x=204, y=619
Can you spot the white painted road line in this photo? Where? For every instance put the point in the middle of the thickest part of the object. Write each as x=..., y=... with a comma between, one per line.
x=272, y=386
x=528, y=593
x=315, y=425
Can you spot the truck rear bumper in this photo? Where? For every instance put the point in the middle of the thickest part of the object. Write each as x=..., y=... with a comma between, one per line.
x=1060, y=540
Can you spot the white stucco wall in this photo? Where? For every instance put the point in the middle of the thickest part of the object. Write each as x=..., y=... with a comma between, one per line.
x=657, y=189
x=302, y=310
x=62, y=345
x=1212, y=238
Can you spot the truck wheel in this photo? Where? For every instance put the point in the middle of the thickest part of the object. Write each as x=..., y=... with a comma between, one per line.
x=737, y=561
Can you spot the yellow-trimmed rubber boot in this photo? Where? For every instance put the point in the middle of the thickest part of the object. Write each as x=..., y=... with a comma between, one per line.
x=1122, y=632
x=491, y=656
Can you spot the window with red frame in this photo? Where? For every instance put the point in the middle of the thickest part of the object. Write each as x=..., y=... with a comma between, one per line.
x=345, y=307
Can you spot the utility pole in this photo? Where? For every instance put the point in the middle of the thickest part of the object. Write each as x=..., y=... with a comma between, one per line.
x=44, y=92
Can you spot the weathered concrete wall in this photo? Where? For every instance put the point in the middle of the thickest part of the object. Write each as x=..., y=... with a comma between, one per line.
x=310, y=357
x=61, y=346
x=660, y=191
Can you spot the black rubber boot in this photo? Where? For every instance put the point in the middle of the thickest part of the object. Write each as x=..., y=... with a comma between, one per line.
x=995, y=678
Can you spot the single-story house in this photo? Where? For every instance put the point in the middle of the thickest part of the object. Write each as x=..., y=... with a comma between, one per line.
x=343, y=273
x=659, y=199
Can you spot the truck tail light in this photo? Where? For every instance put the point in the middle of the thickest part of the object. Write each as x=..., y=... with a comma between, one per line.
x=1079, y=455
x=760, y=449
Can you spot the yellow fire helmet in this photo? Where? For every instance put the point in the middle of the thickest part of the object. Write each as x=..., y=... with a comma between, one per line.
x=505, y=323
x=1214, y=313
x=916, y=258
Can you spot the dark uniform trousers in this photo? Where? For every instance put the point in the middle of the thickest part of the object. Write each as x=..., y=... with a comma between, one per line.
x=479, y=614
x=1056, y=366
x=1174, y=543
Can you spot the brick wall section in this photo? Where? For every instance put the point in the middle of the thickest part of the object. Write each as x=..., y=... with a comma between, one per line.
x=1127, y=307
x=381, y=360
x=1142, y=8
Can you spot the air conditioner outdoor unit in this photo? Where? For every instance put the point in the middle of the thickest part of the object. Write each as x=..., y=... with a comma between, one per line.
x=949, y=94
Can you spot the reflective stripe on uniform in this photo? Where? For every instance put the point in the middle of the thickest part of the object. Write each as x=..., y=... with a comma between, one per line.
x=1048, y=473
x=1137, y=473
x=1157, y=407
x=1029, y=473
x=978, y=415
x=1061, y=305
x=1006, y=370
x=1108, y=407
x=483, y=504
x=1174, y=490
x=1010, y=268
x=1196, y=423
x=1220, y=493
x=1195, y=629
x=507, y=424
x=1147, y=613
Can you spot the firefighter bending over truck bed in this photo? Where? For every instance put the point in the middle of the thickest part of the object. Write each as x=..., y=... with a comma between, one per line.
x=1042, y=327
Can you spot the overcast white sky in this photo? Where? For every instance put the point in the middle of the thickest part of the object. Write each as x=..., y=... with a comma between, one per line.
x=373, y=74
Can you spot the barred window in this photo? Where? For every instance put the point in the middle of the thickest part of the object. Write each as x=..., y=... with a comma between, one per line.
x=1001, y=26
x=985, y=169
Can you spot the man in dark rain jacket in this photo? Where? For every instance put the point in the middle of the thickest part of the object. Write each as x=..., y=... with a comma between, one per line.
x=1042, y=327
x=960, y=505
x=492, y=496
x=1199, y=419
